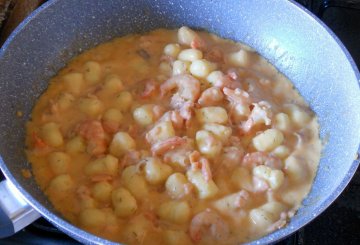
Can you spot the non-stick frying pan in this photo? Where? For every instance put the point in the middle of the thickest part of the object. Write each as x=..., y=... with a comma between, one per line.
x=297, y=43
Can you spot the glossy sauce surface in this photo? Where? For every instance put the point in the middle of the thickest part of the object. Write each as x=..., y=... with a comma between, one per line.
x=173, y=137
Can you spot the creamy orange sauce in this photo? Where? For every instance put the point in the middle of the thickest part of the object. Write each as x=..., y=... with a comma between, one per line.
x=141, y=142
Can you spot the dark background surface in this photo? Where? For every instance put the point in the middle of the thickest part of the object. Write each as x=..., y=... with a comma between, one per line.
x=339, y=224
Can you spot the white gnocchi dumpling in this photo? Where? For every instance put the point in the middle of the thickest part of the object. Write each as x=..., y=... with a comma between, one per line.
x=92, y=72
x=90, y=106
x=267, y=214
x=298, y=115
x=101, y=191
x=268, y=140
x=205, y=189
x=201, y=68
x=156, y=172
x=121, y=143
x=178, y=212
x=74, y=82
x=212, y=114
x=75, y=145
x=144, y=115
x=180, y=67
x=51, y=134
x=282, y=121
x=135, y=182
x=172, y=49
x=123, y=101
x=240, y=58
x=177, y=185
x=107, y=165
x=124, y=203
x=221, y=132
x=296, y=168
x=274, y=177
x=190, y=55
x=208, y=144
x=92, y=218
x=186, y=36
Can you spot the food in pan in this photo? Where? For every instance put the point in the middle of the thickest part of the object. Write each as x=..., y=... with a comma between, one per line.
x=173, y=137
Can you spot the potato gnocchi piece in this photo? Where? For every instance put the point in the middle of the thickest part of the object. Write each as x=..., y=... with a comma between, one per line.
x=240, y=58
x=74, y=82
x=268, y=140
x=124, y=203
x=75, y=145
x=205, y=189
x=208, y=144
x=177, y=237
x=121, y=143
x=107, y=165
x=172, y=49
x=92, y=72
x=274, y=177
x=135, y=182
x=298, y=116
x=177, y=186
x=156, y=172
x=144, y=115
x=267, y=214
x=190, y=55
x=101, y=191
x=212, y=114
x=90, y=106
x=123, y=101
x=92, y=218
x=51, y=134
x=221, y=132
x=175, y=211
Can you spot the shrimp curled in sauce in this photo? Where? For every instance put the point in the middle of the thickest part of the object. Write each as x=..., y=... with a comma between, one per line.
x=211, y=96
x=258, y=158
x=209, y=226
x=94, y=133
x=188, y=87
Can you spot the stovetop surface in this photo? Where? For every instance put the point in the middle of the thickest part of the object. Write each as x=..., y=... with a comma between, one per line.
x=339, y=224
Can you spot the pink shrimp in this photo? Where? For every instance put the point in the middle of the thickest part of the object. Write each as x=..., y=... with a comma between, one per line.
x=180, y=154
x=208, y=225
x=242, y=198
x=94, y=133
x=211, y=96
x=199, y=162
x=130, y=158
x=261, y=158
x=188, y=87
x=260, y=114
x=232, y=156
x=237, y=96
x=227, y=81
x=174, y=117
x=198, y=43
x=215, y=54
x=162, y=147
x=149, y=90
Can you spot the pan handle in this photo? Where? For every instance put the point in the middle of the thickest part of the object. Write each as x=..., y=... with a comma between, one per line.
x=15, y=213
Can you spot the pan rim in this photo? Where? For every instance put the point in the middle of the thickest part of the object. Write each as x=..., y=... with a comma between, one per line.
x=84, y=236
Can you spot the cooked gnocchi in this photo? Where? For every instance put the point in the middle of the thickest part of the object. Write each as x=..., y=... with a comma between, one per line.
x=173, y=137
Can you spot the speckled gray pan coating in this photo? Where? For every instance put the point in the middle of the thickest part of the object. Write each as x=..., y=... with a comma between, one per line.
x=300, y=46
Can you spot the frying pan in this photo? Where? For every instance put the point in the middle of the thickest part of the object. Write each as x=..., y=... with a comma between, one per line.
x=296, y=42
